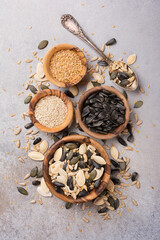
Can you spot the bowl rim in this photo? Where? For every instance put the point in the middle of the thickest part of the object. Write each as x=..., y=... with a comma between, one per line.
x=48, y=56
x=77, y=138
x=119, y=129
x=63, y=97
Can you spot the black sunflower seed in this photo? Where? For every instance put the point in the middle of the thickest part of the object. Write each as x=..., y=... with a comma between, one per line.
x=97, y=183
x=129, y=127
x=134, y=176
x=111, y=42
x=29, y=125
x=59, y=190
x=55, y=138
x=37, y=140
x=58, y=184
x=121, y=141
x=102, y=63
x=116, y=181
x=83, y=193
x=130, y=138
x=65, y=133
x=122, y=75
x=36, y=182
x=114, y=163
x=69, y=94
x=111, y=201
x=116, y=203
x=68, y=205
x=102, y=210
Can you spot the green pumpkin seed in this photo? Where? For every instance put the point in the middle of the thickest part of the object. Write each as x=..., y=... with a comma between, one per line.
x=40, y=173
x=74, y=160
x=95, y=84
x=27, y=99
x=70, y=155
x=92, y=175
x=71, y=145
x=33, y=89
x=125, y=95
x=68, y=205
x=42, y=44
x=22, y=190
x=34, y=172
x=138, y=104
x=113, y=75
x=43, y=87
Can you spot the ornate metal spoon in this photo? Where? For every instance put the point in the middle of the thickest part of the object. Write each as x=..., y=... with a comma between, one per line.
x=70, y=23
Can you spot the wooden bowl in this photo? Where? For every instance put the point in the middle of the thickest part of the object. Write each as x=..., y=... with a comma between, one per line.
x=51, y=92
x=118, y=130
x=47, y=59
x=82, y=139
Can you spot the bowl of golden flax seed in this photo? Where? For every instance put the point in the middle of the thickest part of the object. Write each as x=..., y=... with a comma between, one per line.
x=51, y=111
x=65, y=65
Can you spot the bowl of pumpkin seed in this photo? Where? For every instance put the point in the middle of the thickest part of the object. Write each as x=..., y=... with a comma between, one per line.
x=76, y=169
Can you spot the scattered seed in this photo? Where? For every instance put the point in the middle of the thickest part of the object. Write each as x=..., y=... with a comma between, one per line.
x=37, y=140
x=69, y=94
x=29, y=132
x=111, y=42
x=34, y=171
x=35, y=132
x=139, y=122
x=114, y=152
x=103, y=47
x=33, y=89
x=22, y=184
x=22, y=190
x=18, y=131
x=37, y=156
x=138, y=184
x=29, y=125
x=68, y=205
x=27, y=176
x=129, y=148
x=121, y=141
x=27, y=99
x=43, y=87
x=134, y=176
x=138, y=104
x=42, y=44
x=74, y=90
x=18, y=143
x=32, y=201
x=131, y=59
x=94, y=59
x=28, y=60
x=85, y=220
x=125, y=95
x=135, y=202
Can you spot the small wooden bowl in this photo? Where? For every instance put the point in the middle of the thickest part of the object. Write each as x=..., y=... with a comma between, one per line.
x=47, y=59
x=118, y=130
x=82, y=139
x=51, y=92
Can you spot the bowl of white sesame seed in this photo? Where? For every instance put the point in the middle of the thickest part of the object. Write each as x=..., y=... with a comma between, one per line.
x=51, y=110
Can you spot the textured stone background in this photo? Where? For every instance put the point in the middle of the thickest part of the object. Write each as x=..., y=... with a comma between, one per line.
x=137, y=31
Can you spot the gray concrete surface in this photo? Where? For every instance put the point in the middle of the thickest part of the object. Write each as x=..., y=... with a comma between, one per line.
x=137, y=31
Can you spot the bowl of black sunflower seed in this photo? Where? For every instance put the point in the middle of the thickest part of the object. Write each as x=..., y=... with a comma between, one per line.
x=102, y=112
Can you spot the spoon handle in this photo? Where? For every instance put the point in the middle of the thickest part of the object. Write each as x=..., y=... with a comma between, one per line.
x=70, y=23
